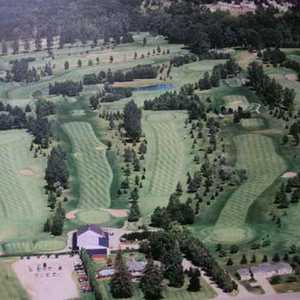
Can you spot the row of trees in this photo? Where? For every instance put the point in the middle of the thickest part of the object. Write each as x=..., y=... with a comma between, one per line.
x=269, y=90
x=12, y=117
x=90, y=269
x=182, y=213
x=185, y=22
x=184, y=100
x=67, y=88
x=170, y=245
x=20, y=71
x=137, y=72
x=221, y=71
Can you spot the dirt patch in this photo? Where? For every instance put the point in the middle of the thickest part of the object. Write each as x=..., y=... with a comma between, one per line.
x=26, y=172
x=289, y=175
x=48, y=278
x=291, y=77
x=136, y=83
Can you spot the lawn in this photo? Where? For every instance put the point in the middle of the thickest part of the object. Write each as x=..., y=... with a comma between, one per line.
x=10, y=287
x=165, y=158
x=95, y=174
x=256, y=154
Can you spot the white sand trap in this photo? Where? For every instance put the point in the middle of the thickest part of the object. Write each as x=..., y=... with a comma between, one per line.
x=26, y=172
x=291, y=77
x=71, y=215
x=289, y=175
x=101, y=147
x=48, y=283
x=78, y=112
x=117, y=213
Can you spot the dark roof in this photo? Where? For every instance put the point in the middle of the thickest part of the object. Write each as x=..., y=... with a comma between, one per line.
x=91, y=227
x=93, y=252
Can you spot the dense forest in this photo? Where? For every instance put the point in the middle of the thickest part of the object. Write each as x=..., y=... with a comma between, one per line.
x=84, y=19
x=203, y=30
x=200, y=29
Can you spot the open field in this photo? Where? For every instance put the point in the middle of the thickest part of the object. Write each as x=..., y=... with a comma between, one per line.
x=164, y=159
x=95, y=175
x=257, y=155
x=10, y=287
x=22, y=200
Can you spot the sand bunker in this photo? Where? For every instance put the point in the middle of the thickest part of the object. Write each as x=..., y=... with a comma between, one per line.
x=26, y=172
x=117, y=213
x=291, y=77
x=289, y=175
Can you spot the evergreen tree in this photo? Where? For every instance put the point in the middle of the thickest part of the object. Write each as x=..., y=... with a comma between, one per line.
x=66, y=65
x=134, y=212
x=244, y=260
x=132, y=120
x=4, y=49
x=194, y=284
x=173, y=266
x=27, y=45
x=16, y=46
x=121, y=284
x=151, y=282
x=38, y=43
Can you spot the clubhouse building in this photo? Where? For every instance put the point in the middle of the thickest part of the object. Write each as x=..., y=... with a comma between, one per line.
x=93, y=239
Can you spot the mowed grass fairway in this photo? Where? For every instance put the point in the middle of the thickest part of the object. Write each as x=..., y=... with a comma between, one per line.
x=253, y=124
x=10, y=287
x=256, y=154
x=95, y=174
x=164, y=158
x=23, y=204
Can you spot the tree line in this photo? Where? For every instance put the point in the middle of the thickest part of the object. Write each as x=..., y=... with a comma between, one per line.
x=183, y=100
x=269, y=90
x=137, y=72
x=66, y=88
x=194, y=25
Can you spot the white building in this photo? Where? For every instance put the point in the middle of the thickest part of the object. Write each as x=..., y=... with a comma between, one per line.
x=93, y=239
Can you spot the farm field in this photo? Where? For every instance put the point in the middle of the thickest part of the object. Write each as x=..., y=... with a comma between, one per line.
x=257, y=155
x=95, y=175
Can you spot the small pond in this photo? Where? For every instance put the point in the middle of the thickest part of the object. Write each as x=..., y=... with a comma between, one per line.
x=155, y=87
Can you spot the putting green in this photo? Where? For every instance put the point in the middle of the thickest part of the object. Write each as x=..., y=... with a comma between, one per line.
x=93, y=216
